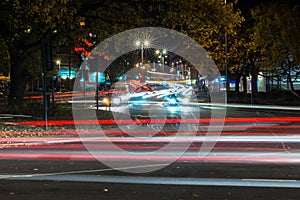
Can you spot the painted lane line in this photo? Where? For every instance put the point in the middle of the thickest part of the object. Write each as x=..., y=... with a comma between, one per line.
x=271, y=183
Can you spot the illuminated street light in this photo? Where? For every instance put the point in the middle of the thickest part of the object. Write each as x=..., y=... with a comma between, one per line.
x=146, y=43
x=141, y=45
x=58, y=62
x=162, y=55
x=137, y=43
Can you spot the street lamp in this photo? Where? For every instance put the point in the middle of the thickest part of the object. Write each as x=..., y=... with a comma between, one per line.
x=162, y=54
x=58, y=62
x=141, y=45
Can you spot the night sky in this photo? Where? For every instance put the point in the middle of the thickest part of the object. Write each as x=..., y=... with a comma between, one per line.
x=246, y=5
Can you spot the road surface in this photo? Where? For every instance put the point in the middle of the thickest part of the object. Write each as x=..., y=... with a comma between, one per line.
x=256, y=156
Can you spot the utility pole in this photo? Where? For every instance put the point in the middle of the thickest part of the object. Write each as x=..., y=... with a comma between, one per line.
x=43, y=58
x=226, y=62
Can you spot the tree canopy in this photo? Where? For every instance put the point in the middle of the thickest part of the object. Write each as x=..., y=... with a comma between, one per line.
x=25, y=24
x=207, y=22
x=277, y=34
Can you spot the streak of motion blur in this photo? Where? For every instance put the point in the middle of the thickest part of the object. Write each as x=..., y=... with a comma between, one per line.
x=247, y=139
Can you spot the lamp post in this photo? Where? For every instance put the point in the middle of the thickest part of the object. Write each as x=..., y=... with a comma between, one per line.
x=162, y=55
x=164, y=52
x=58, y=62
x=226, y=60
x=142, y=45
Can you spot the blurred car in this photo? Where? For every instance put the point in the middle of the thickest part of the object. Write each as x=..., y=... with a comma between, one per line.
x=202, y=94
x=157, y=86
x=148, y=96
x=119, y=93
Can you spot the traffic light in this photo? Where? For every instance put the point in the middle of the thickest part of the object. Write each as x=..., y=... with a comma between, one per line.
x=48, y=56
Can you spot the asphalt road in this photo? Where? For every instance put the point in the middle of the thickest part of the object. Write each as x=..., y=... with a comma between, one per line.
x=64, y=190
x=98, y=185
x=256, y=157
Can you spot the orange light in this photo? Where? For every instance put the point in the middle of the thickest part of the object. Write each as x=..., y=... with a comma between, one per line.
x=78, y=49
x=82, y=23
x=86, y=53
x=89, y=44
x=106, y=101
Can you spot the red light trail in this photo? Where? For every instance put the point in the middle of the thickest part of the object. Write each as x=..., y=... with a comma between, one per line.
x=242, y=140
x=167, y=121
x=162, y=133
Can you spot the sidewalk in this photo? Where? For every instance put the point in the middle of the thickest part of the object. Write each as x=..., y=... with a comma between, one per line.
x=10, y=127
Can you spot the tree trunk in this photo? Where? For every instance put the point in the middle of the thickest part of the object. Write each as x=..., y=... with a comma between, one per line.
x=254, y=82
x=289, y=81
x=237, y=83
x=245, y=84
x=17, y=79
x=267, y=83
x=227, y=84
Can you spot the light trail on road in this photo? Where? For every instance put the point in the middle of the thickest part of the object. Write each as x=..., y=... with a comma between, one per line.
x=243, y=140
x=72, y=149
x=161, y=139
x=237, y=131
x=167, y=121
x=227, y=157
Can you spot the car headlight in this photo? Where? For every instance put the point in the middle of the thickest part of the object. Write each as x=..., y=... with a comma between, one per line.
x=172, y=101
